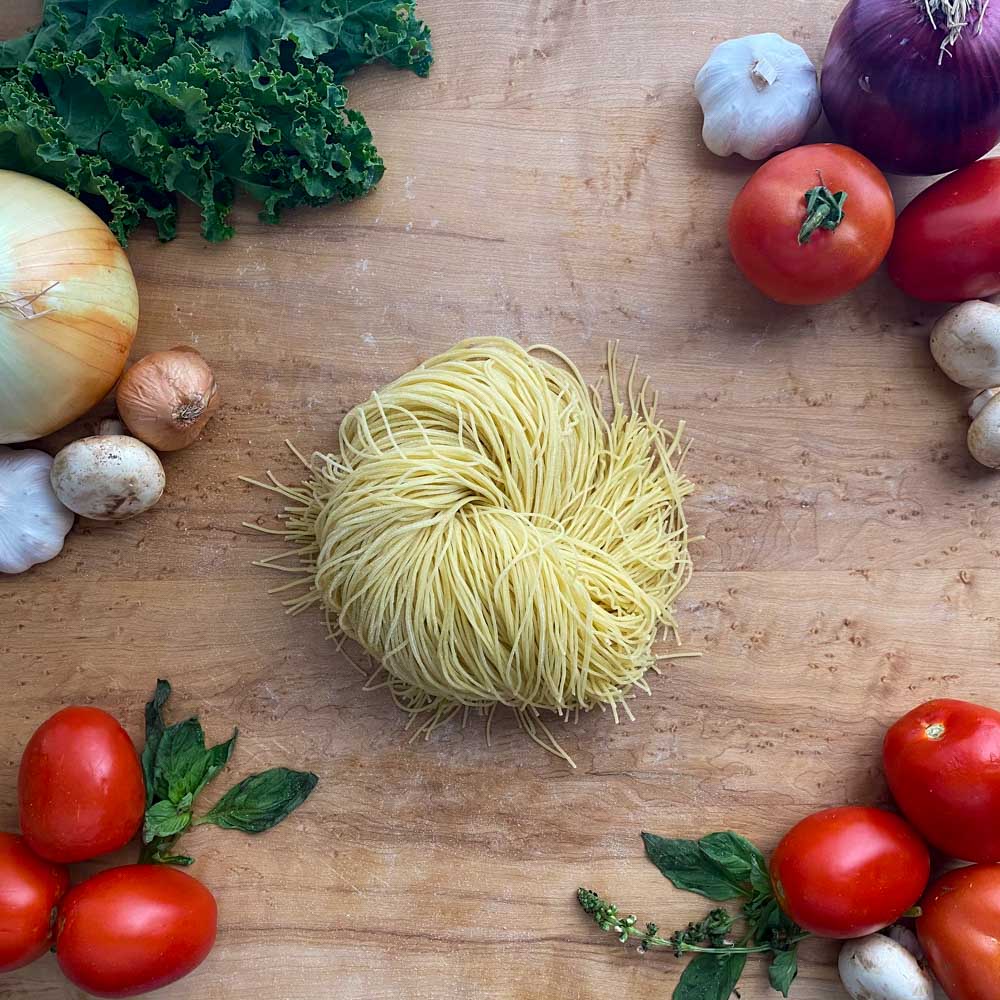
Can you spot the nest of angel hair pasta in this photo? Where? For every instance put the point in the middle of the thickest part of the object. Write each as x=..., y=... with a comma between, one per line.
x=490, y=538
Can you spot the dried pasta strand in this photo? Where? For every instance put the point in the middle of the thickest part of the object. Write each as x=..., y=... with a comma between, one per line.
x=490, y=538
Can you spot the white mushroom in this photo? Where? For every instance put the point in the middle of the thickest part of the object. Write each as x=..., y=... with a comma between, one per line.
x=965, y=343
x=878, y=968
x=984, y=434
x=904, y=936
x=109, y=477
x=33, y=523
x=979, y=403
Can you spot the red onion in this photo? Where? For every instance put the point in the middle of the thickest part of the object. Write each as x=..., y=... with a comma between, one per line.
x=915, y=84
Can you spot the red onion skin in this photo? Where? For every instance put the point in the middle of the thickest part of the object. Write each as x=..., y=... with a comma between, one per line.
x=885, y=93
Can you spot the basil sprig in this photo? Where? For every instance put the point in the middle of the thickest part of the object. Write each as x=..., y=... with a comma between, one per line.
x=177, y=766
x=722, y=867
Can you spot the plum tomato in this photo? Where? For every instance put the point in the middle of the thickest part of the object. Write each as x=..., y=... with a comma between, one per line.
x=847, y=872
x=29, y=891
x=941, y=764
x=947, y=242
x=80, y=788
x=958, y=932
x=130, y=930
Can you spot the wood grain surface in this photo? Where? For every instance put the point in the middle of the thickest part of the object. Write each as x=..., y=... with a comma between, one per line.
x=547, y=183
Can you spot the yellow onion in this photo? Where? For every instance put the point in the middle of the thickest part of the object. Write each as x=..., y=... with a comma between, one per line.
x=167, y=398
x=68, y=308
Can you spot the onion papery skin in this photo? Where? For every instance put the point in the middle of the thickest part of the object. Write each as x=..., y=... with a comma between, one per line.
x=55, y=367
x=886, y=94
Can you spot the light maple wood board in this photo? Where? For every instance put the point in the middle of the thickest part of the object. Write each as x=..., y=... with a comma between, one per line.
x=547, y=183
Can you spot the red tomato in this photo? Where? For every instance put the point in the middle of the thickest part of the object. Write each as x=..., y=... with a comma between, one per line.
x=958, y=932
x=768, y=215
x=130, y=930
x=29, y=891
x=941, y=763
x=848, y=872
x=947, y=245
x=80, y=788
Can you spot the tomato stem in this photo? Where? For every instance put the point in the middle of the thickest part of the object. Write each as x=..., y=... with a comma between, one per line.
x=824, y=210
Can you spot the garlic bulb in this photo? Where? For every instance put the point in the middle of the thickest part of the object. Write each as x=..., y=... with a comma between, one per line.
x=760, y=95
x=167, y=398
x=68, y=308
x=110, y=477
x=33, y=523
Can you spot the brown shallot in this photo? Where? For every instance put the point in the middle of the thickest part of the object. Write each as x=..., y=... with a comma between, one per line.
x=167, y=398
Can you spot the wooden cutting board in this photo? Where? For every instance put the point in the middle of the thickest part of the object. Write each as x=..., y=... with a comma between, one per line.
x=547, y=183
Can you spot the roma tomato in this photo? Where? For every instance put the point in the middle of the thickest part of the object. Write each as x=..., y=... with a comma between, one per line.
x=947, y=245
x=796, y=237
x=29, y=891
x=941, y=764
x=134, y=929
x=848, y=872
x=80, y=788
x=958, y=932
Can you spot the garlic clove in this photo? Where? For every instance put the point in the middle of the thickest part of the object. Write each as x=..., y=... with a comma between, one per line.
x=110, y=477
x=168, y=397
x=33, y=523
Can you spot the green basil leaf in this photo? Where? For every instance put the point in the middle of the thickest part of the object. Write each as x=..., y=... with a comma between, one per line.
x=181, y=860
x=218, y=757
x=688, y=867
x=159, y=852
x=261, y=801
x=181, y=761
x=154, y=731
x=769, y=924
x=164, y=820
x=733, y=853
x=760, y=878
x=710, y=977
x=782, y=971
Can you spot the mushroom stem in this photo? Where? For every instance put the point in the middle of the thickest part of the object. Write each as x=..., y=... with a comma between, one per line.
x=111, y=427
x=984, y=434
x=979, y=403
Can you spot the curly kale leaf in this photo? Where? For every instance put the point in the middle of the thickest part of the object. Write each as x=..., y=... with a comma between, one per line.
x=343, y=34
x=130, y=103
